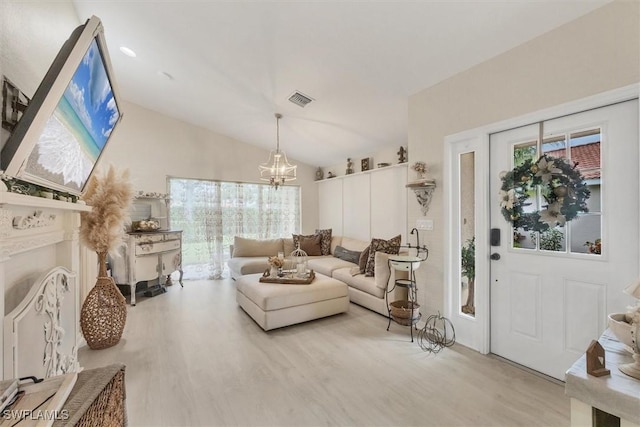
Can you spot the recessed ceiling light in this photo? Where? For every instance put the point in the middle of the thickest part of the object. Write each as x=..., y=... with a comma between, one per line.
x=127, y=51
x=165, y=75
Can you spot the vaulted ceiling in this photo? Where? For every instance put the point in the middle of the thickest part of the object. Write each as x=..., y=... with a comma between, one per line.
x=229, y=66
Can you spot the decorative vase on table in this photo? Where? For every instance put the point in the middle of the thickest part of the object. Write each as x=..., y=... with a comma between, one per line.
x=104, y=311
x=421, y=170
x=274, y=271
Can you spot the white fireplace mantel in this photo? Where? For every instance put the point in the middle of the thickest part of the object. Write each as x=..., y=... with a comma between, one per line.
x=36, y=235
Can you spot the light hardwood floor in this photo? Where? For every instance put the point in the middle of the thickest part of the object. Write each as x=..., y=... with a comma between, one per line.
x=194, y=357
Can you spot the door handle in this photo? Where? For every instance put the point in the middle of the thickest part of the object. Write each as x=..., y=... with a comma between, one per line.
x=495, y=256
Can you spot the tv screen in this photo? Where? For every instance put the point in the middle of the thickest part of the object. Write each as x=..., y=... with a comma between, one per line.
x=72, y=115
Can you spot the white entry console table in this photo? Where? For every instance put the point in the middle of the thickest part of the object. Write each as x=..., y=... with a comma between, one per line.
x=614, y=396
x=148, y=256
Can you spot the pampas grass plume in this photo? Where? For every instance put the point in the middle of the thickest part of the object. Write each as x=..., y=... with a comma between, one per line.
x=110, y=196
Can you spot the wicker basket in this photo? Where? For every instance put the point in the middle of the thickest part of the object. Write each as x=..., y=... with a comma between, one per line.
x=103, y=315
x=403, y=309
x=407, y=321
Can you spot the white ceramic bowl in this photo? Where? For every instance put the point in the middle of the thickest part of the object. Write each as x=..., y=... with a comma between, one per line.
x=620, y=328
x=404, y=262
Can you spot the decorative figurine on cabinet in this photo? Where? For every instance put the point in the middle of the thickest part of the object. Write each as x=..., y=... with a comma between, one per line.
x=595, y=356
x=319, y=174
x=402, y=155
x=349, y=166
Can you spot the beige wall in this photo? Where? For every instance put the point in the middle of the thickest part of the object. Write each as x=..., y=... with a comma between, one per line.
x=597, y=52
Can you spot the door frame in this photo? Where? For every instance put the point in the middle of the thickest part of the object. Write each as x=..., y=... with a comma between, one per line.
x=474, y=332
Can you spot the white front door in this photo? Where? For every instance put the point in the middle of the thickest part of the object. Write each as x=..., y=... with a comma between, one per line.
x=551, y=291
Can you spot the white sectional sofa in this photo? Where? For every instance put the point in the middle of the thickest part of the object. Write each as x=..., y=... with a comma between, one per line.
x=250, y=256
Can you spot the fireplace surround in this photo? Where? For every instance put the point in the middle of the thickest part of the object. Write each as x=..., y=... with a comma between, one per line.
x=41, y=272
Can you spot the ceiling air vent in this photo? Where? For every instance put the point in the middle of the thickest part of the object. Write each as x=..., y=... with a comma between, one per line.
x=300, y=98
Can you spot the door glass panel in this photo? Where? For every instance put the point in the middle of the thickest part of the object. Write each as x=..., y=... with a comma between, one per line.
x=467, y=233
x=552, y=239
x=586, y=230
x=555, y=146
x=521, y=153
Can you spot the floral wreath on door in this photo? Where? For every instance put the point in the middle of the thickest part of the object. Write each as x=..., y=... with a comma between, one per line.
x=562, y=187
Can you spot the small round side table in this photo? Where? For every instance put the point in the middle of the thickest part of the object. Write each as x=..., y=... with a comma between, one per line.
x=409, y=264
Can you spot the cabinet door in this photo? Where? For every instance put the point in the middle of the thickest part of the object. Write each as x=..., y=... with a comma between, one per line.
x=170, y=261
x=330, y=205
x=389, y=203
x=146, y=267
x=356, y=202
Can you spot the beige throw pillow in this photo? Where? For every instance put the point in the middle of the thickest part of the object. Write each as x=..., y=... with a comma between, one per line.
x=297, y=237
x=382, y=271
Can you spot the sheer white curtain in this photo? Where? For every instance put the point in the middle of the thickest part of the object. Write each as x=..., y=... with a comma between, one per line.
x=211, y=213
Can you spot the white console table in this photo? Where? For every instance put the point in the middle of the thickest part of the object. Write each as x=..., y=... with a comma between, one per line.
x=616, y=394
x=148, y=256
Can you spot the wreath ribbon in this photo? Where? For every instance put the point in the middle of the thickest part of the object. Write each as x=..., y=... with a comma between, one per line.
x=562, y=187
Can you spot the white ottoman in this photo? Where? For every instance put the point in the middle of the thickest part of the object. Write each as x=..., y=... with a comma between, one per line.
x=273, y=305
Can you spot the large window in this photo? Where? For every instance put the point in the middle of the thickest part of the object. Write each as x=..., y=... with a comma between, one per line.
x=211, y=213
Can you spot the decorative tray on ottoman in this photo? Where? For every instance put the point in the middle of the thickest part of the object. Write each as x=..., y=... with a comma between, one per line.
x=289, y=279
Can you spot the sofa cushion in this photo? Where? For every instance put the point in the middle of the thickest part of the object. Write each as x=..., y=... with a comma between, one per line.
x=360, y=282
x=247, y=265
x=327, y=264
x=311, y=244
x=325, y=241
x=347, y=255
x=243, y=247
x=391, y=246
x=288, y=246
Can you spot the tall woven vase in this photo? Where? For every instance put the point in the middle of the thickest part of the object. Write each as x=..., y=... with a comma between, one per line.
x=104, y=312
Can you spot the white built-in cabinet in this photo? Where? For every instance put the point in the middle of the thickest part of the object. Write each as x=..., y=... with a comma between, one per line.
x=330, y=205
x=356, y=206
x=366, y=204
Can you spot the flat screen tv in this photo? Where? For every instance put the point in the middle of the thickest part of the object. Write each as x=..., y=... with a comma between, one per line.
x=68, y=122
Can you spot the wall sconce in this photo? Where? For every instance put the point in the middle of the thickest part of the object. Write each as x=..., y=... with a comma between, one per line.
x=424, y=191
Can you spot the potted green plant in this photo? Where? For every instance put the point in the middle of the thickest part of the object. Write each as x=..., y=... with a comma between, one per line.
x=104, y=311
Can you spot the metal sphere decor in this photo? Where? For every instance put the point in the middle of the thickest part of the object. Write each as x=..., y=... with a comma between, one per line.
x=436, y=334
x=562, y=186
